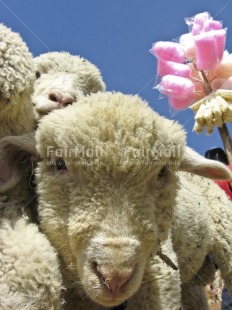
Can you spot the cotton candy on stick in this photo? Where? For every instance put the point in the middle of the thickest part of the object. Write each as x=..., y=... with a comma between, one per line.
x=198, y=22
x=173, y=68
x=220, y=38
x=180, y=90
x=202, y=50
x=209, y=41
x=211, y=25
x=176, y=86
x=179, y=103
x=168, y=51
x=206, y=49
x=187, y=41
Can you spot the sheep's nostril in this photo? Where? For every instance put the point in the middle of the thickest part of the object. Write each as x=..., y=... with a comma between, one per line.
x=63, y=101
x=66, y=102
x=116, y=283
x=55, y=97
x=113, y=281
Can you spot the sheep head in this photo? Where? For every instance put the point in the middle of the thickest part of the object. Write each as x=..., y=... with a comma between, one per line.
x=107, y=186
x=16, y=67
x=62, y=79
x=16, y=84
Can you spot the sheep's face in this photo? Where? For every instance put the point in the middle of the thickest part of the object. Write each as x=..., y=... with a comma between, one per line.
x=111, y=245
x=56, y=91
x=106, y=228
x=62, y=79
x=104, y=205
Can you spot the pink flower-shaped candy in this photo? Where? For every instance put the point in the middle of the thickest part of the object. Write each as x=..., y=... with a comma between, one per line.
x=174, y=68
x=168, y=51
x=176, y=86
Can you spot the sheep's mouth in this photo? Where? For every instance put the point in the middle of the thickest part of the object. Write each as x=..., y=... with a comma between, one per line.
x=110, y=302
x=106, y=299
x=45, y=108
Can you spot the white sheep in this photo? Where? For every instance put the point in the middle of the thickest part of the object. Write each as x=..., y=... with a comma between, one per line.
x=110, y=192
x=20, y=240
x=16, y=84
x=201, y=225
x=29, y=270
x=49, y=81
x=63, y=79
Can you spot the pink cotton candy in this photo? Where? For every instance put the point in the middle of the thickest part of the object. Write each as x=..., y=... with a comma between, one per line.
x=176, y=86
x=201, y=18
x=196, y=29
x=187, y=41
x=168, y=51
x=174, y=68
x=212, y=25
x=180, y=104
x=206, y=49
x=220, y=37
x=199, y=21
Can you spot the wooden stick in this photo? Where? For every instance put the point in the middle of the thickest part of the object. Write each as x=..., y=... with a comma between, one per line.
x=227, y=142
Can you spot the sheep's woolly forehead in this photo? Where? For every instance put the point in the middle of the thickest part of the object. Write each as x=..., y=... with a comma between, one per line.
x=16, y=64
x=64, y=62
x=117, y=130
x=58, y=62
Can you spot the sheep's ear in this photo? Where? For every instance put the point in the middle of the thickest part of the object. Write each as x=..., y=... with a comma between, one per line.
x=197, y=164
x=94, y=84
x=16, y=153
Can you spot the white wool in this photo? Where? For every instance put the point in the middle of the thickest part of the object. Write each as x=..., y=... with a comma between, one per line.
x=29, y=268
x=110, y=211
x=16, y=82
x=63, y=79
x=24, y=99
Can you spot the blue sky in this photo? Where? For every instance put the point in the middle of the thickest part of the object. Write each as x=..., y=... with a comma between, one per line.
x=116, y=35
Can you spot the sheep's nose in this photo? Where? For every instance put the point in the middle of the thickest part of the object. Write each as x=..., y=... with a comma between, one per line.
x=63, y=101
x=114, y=281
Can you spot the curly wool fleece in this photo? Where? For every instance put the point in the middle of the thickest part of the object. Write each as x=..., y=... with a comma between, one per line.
x=97, y=212
x=16, y=66
x=111, y=164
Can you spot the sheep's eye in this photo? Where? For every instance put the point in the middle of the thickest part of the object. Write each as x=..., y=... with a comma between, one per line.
x=37, y=75
x=162, y=172
x=60, y=164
